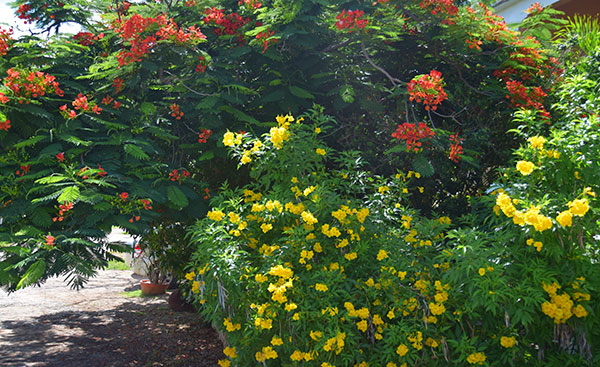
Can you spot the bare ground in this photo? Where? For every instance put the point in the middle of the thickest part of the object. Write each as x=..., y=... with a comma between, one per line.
x=54, y=326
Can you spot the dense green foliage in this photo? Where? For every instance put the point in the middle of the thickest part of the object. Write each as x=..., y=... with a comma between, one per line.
x=332, y=267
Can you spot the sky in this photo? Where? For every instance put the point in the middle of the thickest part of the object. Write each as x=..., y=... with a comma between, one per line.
x=7, y=16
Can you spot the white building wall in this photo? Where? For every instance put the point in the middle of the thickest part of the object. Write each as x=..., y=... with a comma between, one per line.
x=513, y=11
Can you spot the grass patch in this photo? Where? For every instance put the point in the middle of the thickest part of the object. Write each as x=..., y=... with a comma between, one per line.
x=132, y=294
x=117, y=265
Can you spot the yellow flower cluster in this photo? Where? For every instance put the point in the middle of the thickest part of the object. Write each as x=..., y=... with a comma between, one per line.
x=278, y=290
x=295, y=208
x=330, y=231
x=230, y=139
x=305, y=255
x=281, y=271
x=508, y=341
x=336, y=343
x=363, y=313
x=531, y=217
x=321, y=287
x=278, y=135
x=320, y=151
x=560, y=308
x=437, y=309
x=416, y=339
x=215, y=215
x=579, y=207
x=402, y=350
x=382, y=254
x=308, y=218
x=250, y=196
x=301, y=356
x=525, y=167
x=229, y=326
x=537, y=244
x=476, y=358
x=266, y=353
x=537, y=142
x=263, y=323
x=230, y=352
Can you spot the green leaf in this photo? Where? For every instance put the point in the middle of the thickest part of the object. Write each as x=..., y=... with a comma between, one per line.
x=50, y=179
x=177, y=197
x=206, y=156
x=239, y=114
x=69, y=195
x=300, y=93
x=35, y=271
x=207, y=103
x=423, y=166
x=135, y=152
x=75, y=140
x=148, y=108
x=31, y=141
x=40, y=217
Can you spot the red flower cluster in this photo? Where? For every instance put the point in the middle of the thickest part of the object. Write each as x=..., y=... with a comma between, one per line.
x=4, y=40
x=133, y=28
x=132, y=219
x=190, y=3
x=225, y=24
x=123, y=9
x=413, y=134
x=524, y=97
x=117, y=84
x=175, y=111
x=428, y=89
x=146, y=204
x=108, y=100
x=50, y=240
x=31, y=84
x=456, y=149
x=62, y=210
x=534, y=8
x=3, y=98
x=124, y=196
x=80, y=103
x=204, y=135
x=23, y=171
x=201, y=67
x=446, y=7
x=61, y=157
x=22, y=13
x=250, y=4
x=176, y=176
x=264, y=38
x=350, y=20
x=101, y=171
x=5, y=125
x=87, y=38
x=207, y=191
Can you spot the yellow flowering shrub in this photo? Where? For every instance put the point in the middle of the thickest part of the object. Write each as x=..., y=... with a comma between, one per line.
x=333, y=269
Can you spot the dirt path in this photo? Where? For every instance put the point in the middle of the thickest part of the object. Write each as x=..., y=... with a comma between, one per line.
x=54, y=326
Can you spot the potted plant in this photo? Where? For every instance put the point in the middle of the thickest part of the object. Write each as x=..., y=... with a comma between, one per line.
x=163, y=254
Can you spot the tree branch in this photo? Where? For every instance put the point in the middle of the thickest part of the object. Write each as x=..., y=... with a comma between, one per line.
x=392, y=79
x=188, y=88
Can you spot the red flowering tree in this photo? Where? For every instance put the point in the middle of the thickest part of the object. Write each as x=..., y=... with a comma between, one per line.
x=121, y=124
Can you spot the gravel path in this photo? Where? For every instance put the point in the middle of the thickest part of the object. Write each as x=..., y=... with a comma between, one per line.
x=55, y=326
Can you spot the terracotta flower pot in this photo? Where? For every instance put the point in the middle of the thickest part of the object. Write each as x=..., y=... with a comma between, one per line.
x=152, y=289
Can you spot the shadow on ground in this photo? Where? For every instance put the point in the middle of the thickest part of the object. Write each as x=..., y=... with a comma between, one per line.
x=131, y=334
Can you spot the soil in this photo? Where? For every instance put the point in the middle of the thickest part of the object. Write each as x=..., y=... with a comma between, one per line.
x=98, y=326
